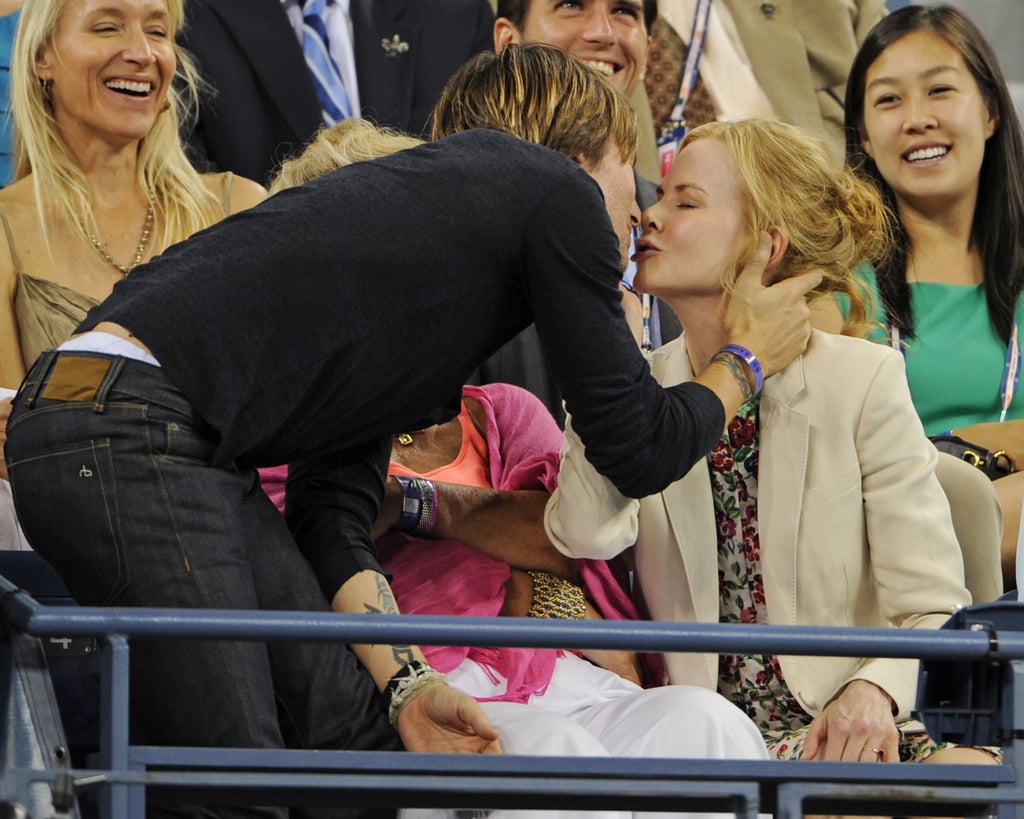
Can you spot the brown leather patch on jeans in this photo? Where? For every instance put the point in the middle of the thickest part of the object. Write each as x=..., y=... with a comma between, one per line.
x=75, y=378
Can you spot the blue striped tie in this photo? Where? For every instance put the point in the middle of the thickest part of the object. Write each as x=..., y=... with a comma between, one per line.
x=329, y=86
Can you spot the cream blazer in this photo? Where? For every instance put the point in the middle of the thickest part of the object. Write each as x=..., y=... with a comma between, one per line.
x=854, y=527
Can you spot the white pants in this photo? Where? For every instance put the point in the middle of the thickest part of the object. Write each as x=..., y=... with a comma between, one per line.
x=587, y=711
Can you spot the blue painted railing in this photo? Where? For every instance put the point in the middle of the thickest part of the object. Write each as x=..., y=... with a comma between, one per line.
x=127, y=777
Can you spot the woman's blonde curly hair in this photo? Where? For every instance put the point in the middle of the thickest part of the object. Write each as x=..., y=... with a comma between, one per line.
x=349, y=141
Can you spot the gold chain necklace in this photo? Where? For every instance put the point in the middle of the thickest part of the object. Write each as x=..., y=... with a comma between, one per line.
x=139, y=250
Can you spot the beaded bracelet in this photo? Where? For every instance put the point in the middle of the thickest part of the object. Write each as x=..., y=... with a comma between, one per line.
x=419, y=505
x=408, y=682
x=555, y=597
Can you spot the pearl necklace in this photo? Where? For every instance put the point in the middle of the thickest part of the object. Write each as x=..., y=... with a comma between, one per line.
x=139, y=250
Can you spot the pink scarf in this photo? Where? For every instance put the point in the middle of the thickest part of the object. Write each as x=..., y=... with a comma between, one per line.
x=446, y=577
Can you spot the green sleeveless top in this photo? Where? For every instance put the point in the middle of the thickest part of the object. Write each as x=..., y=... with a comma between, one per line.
x=955, y=360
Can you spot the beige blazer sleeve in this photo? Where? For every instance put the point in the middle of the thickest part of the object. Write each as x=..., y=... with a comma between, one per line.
x=586, y=516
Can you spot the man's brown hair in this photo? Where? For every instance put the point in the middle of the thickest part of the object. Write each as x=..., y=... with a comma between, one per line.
x=541, y=94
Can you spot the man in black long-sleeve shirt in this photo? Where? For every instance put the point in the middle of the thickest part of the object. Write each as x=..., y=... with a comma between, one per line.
x=308, y=330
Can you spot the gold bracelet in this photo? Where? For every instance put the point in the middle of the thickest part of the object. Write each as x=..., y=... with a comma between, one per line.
x=554, y=597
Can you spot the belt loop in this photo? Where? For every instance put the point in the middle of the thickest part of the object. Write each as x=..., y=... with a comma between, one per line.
x=113, y=371
x=42, y=366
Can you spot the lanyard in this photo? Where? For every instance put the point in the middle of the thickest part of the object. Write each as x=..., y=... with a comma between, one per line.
x=647, y=341
x=672, y=134
x=1011, y=368
x=646, y=301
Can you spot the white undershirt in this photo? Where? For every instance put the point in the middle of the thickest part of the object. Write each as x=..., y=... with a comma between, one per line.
x=98, y=342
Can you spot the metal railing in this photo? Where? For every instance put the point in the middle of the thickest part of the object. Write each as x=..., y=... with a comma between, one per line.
x=126, y=776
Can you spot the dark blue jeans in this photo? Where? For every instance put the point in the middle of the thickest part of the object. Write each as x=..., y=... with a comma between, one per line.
x=113, y=485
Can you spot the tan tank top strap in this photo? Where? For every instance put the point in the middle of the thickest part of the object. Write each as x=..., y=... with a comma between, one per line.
x=10, y=242
x=228, y=176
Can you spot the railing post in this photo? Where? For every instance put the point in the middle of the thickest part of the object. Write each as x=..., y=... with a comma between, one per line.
x=117, y=801
x=1012, y=719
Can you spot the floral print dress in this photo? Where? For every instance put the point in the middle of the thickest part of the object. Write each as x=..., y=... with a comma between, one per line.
x=754, y=683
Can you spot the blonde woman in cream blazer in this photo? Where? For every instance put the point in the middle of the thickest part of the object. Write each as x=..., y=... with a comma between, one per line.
x=852, y=526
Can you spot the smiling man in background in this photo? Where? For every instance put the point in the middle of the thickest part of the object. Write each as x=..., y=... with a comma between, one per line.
x=610, y=35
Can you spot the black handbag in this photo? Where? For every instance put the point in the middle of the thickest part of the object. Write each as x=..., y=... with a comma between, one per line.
x=994, y=464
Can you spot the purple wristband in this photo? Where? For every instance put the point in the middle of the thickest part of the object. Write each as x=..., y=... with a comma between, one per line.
x=419, y=505
x=746, y=355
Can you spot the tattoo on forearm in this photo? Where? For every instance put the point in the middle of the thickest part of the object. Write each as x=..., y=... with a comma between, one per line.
x=402, y=654
x=735, y=367
x=385, y=598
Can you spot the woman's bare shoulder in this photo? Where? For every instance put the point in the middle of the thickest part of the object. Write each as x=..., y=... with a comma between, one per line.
x=18, y=207
x=21, y=218
x=240, y=191
x=18, y=196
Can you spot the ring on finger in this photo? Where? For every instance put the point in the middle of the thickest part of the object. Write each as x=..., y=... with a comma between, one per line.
x=878, y=752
